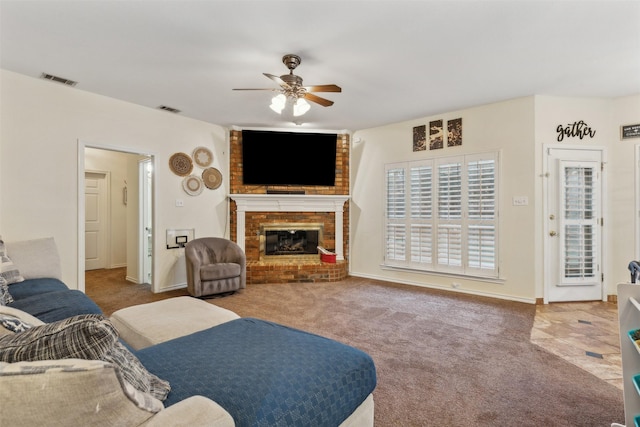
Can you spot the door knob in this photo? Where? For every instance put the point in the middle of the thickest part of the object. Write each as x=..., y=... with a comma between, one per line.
x=552, y=233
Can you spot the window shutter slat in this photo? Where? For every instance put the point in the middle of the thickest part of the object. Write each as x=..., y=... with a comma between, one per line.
x=421, y=194
x=421, y=244
x=395, y=193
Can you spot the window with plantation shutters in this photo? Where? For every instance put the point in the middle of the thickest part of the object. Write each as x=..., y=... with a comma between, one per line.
x=442, y=215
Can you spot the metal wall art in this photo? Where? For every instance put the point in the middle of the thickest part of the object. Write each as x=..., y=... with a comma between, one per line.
x=437, y=135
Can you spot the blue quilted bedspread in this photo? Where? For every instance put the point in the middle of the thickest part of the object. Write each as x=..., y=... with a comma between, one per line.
x=265, y=374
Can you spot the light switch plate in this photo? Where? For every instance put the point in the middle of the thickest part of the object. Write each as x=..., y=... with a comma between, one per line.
x=520, y=201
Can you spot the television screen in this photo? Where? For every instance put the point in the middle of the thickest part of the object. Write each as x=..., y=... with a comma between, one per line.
x=288, y=158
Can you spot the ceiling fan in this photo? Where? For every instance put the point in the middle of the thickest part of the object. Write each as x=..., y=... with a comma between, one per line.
x=291, y=85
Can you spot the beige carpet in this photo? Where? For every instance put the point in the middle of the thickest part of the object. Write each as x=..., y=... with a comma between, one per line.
x=443, y=359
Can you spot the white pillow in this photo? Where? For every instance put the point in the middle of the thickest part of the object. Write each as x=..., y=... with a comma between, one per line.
x=37, y=258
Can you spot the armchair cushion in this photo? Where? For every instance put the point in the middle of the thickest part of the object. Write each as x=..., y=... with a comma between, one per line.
x=223, y=270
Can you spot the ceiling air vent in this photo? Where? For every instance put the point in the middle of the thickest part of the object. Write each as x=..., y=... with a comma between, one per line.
x=58, y=79
x=169, y=109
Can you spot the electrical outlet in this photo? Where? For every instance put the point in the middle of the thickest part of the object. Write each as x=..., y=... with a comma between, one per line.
x=179, y=203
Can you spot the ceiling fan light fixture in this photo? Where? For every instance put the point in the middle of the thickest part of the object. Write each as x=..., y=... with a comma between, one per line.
x=300, y=107
x=278, y=103
x=292, y=91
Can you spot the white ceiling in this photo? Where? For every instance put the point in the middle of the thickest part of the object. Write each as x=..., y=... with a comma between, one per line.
x=395, y=60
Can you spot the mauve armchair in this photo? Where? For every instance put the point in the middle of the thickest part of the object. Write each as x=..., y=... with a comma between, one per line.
x=214, y=265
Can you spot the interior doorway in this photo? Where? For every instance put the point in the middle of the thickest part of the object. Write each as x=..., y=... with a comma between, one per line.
x=129, y=219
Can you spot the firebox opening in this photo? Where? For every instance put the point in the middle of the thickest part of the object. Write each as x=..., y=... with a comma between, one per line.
x=291, y=242
x=290, y=239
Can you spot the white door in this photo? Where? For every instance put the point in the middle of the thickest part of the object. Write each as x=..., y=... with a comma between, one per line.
x=95, y=229
x=573, y=225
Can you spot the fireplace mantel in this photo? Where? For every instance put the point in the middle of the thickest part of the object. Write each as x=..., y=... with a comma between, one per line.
x=290, y=203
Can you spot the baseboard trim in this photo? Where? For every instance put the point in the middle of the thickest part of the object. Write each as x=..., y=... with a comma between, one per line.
x=172, y=287
x=444, y=288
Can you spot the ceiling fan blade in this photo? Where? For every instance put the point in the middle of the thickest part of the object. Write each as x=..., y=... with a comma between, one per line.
x=272, y=89
x=318, y=100
x=323, y=88
x=278, y=80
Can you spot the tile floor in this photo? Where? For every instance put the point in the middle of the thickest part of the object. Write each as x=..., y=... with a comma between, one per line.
x=585, y=334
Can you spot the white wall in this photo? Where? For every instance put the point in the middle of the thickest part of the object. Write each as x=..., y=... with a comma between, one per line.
x=597, y=114
x=41, y=124
x=605, y=116
x=520, y=129
x=624, y=192
x=507, y=127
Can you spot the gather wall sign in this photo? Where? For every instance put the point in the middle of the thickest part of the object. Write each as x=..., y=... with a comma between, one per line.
x=577, y=129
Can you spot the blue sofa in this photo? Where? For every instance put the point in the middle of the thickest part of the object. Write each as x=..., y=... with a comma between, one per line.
x=258, y=372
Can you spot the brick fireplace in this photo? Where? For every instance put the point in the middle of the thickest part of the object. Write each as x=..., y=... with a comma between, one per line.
x=253, y=209
x=254, y=212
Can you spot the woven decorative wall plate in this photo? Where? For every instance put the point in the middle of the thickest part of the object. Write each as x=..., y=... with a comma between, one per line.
x=192, y=185
x=181, y=164
x=202, y=156
x=212, y=178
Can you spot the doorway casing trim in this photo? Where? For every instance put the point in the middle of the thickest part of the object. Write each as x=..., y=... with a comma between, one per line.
x=545, y=222
x=81, y=215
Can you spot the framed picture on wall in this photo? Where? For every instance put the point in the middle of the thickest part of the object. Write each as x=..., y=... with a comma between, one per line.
x=436, y=135
x=630, y=131
x=420, y=138
x=454, y=132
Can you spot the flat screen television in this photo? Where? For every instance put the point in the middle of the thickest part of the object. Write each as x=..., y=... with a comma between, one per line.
x=288, y=158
